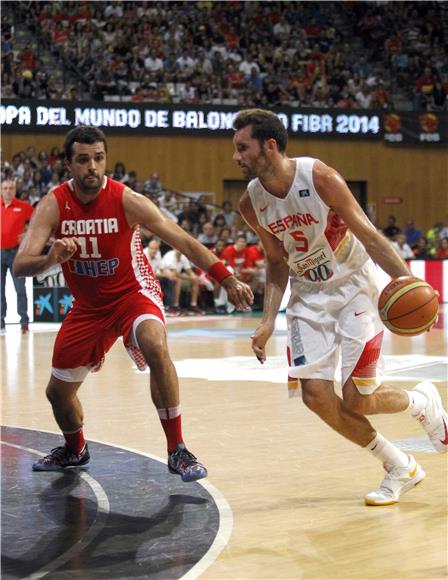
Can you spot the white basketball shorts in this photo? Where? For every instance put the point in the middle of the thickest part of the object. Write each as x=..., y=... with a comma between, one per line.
x=336, y=321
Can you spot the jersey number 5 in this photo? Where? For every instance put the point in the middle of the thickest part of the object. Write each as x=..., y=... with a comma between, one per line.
x=93, y=246
x=302, y=242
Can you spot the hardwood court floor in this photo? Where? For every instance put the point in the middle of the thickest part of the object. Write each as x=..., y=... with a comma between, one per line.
x=294, y=486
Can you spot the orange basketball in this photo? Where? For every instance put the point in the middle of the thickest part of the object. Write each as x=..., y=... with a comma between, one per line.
x=408, y=306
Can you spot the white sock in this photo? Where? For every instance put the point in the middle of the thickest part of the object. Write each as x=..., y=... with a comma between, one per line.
x=417, y=402
x=383, y=450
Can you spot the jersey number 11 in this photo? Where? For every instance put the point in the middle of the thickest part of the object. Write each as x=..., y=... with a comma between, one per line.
x=93, y=246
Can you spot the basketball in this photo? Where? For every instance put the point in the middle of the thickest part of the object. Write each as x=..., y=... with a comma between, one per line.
x=408, y=306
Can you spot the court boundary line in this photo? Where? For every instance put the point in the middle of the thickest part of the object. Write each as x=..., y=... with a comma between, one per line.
x=102, y=513
x=225, y=526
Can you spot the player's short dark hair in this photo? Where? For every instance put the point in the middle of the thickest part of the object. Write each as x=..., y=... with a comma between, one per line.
x=265, y=125
x=83, y=134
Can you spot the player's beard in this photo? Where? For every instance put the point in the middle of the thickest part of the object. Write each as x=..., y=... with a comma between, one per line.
x=91, y=186
x=257, y=167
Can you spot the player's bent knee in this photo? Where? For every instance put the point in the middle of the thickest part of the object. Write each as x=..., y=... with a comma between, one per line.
x=360, y=401
x=59, y=392
x=154, y=350
x=313, y=396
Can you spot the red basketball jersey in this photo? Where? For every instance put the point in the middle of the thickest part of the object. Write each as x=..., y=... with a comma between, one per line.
x=110, y=262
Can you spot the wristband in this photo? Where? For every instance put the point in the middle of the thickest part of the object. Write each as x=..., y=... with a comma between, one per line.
x=219, y=272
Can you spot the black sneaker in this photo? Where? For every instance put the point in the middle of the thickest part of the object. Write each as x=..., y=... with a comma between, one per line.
x=62, y=457
x=185, y=464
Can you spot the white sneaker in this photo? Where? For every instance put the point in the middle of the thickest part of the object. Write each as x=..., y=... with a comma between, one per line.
x=434, y=419
x=398, y=480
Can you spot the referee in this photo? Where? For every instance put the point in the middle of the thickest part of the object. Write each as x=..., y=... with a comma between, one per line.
x=15, y=214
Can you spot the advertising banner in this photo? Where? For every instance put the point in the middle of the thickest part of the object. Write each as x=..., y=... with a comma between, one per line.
x=425, y=128
x=131, y=118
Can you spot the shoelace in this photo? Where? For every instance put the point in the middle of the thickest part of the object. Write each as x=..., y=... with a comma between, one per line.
x=61, y=453
x=184, y=455
x=57, y=453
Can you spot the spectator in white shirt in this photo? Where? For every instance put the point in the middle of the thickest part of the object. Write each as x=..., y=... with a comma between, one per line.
x=402, y=247
x=177, y=263
x=169, y=201
x=185, y=66
x=247, y=64
x=282, y=29
x=154, y=65
x=208, y=236
x=167, y=278
x=364, y=97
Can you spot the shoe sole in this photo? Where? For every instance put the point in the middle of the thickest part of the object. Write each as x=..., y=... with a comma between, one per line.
x=39, y=467
x=189, y=479
x=60, y=468
x=419, y=477
x=438, y=445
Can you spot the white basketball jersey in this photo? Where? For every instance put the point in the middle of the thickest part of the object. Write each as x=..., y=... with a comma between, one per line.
x=317, y=242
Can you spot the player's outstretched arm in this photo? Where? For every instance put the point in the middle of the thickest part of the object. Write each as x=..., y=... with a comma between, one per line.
x=141, y=211
x=29, y=261
x=335, y=193
x=277, y=273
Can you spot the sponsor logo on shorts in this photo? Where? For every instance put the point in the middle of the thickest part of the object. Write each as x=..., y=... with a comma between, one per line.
x=299, y=361
x=315, y=267
x=297, y=350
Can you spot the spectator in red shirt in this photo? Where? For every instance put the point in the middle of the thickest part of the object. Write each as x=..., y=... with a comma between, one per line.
x=237, y=256
x=256, y=256
x=256, y=261
x=425, y=82
x=15, y=214
x=28, y=57
x=442, y=252
x=234, y=78
x=381, y=97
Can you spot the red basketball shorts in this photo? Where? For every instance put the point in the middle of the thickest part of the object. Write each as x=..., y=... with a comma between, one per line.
x=87, y=334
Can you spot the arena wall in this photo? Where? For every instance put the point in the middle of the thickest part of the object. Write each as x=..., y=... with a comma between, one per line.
x=415, y=175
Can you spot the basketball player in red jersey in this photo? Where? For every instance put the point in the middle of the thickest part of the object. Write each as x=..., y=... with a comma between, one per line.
x=94, y=221
x=315, y=233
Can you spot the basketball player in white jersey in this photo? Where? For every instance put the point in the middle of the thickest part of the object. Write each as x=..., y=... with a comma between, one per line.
x=315, y=233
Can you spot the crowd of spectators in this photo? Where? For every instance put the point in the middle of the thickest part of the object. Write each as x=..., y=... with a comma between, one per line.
x=412, y=244
x=312, y=54
x=220, y=228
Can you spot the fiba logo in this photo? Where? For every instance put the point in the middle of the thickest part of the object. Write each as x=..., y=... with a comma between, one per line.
x=429, y=123
x=392, y=126
x=392, y=123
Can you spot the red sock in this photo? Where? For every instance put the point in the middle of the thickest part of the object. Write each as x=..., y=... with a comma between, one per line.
x=171, y=420
x=75, y=440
